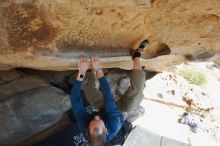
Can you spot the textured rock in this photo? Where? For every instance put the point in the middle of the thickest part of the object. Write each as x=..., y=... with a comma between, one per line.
x=30, y=112
x=50, y=35
x=56, y=78
x=20, y=85
x=29, y=105
x=9, y=75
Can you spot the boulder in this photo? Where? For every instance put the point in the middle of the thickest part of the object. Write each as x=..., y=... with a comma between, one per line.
x=20, y=85
x=56, y=78
x=10, y=75
x=50, y=35
x=30, y=112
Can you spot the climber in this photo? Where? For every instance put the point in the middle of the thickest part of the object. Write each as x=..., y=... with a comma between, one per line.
x=101, y=127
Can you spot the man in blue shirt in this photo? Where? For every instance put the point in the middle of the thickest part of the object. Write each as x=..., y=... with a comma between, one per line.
x=103, y=126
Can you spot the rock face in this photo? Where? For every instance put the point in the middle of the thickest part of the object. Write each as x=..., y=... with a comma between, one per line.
x=28, y=105
x=19, y=85
x=50, y=35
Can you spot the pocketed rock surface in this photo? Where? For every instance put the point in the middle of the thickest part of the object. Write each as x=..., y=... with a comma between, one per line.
x=50, y=35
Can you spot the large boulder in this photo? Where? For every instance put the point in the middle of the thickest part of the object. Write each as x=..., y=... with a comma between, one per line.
x=10, y=75
x=30, y=112
x=50, y=35
x=20, y=85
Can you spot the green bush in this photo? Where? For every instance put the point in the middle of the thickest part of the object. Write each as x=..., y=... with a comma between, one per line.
x=193, y=76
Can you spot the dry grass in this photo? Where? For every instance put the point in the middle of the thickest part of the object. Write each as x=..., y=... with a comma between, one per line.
x=192, y=75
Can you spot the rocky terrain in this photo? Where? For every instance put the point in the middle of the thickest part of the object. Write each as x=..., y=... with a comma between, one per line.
x=168, y=96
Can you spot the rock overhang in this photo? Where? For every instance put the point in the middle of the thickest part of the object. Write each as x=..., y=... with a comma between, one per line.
x=50, y=35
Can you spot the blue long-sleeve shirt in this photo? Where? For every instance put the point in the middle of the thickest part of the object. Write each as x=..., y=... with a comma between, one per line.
x=113, y=119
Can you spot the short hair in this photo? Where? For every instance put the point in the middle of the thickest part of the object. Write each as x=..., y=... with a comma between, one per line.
x=97, y=139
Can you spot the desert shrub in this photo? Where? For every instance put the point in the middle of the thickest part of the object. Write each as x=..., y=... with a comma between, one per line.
x=192, y=75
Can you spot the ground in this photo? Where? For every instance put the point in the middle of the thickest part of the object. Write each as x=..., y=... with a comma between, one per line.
x=163, y=109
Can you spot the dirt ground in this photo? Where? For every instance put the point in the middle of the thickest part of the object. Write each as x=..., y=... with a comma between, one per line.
x=164, y=105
